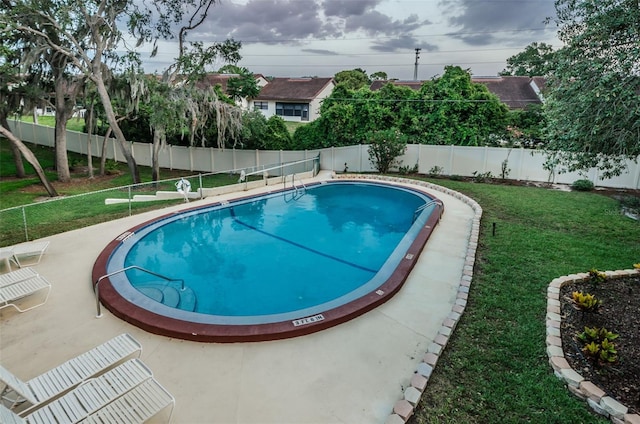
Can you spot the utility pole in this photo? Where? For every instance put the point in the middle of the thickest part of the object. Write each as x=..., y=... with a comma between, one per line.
x=415, y=66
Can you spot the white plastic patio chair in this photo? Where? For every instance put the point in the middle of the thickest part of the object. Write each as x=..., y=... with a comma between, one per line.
x=13, y=292
x=43, y=388
x=33, y=249
x=88, y=398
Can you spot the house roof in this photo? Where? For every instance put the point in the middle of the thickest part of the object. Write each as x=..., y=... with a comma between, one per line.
x=210, y=80
x=293, y=89
x=516, y=92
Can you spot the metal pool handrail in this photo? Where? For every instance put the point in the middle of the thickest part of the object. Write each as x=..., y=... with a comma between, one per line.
x=97, y=283
x=423, y=207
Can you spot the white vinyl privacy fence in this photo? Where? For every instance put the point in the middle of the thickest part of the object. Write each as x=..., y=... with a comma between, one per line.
x=522, y=164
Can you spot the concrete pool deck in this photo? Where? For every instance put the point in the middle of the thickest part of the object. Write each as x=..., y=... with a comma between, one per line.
x=356, y=372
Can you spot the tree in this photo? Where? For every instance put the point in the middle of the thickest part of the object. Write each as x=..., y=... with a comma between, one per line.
x=87, y=34
x=535, y=60
x=592, y=102
x=354, y=79
x=254, y=129
x=379, y=76
x=17, y=91
x=384, y=148
x=455, y=110
x=450, y=109
x=277, y=136
x=243, y=86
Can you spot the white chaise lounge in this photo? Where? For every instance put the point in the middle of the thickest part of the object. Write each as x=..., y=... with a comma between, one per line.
x=12, y=292
x=32, y=249
x=17, y=276
x=53, y=383
x=127, y=394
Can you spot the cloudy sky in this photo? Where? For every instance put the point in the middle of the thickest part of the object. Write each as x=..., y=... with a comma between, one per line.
x=298, y=38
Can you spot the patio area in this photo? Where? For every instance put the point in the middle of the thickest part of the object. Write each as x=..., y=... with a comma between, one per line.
x=352, y=373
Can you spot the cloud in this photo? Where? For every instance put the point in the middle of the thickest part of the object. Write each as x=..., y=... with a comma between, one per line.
x=376, y=23
x=482, y=23
x=268, y=22
x=401, y=43
x=295, y=22
x=347, y=8
x=321, y=52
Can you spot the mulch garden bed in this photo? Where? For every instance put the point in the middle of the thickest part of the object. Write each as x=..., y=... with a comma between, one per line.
x=619, y=313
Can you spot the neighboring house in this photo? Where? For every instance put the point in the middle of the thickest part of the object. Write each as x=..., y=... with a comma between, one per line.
x=211, y=80
x=515, y=92
x=293, y=99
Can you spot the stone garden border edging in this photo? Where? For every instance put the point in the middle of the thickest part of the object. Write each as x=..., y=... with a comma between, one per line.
x=595, y=397
x=404, y=408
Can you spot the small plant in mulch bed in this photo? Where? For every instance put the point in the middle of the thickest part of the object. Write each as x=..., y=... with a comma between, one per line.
x=598, y=345
x=585, y=302
x=596, y=277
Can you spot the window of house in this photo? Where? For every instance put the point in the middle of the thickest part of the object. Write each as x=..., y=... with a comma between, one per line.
x=260, y=105
x=293, y=109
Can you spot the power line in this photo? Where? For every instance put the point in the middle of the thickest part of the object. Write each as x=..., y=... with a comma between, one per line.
x=386, y=54
x=371, y=64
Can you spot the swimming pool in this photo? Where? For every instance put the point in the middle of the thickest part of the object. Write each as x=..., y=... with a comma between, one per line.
x=271, y=266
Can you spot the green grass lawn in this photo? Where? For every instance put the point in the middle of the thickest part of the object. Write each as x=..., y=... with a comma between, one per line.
x=73, y=124
x=495, y=367
x=292, y=126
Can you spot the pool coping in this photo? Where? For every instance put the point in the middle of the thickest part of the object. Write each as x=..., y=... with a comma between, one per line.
x=201, y=332
x=584, y=389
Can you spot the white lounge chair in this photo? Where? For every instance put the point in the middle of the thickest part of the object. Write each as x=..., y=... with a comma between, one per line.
x=131, y=379
x=136, y=406
x=6, y=253
x=13, y=292
x=33, y=249
x=17, y=276
x=53, y=383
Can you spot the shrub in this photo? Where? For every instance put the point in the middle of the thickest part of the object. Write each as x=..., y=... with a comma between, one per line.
x=598, y=344
x=480, y=177
x=405, y=170
x=384, y=148
x=582, y=185
x=435, y=171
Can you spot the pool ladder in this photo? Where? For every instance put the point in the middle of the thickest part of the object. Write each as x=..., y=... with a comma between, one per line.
x=298, y=188
x=423, y=207
x=97, y=283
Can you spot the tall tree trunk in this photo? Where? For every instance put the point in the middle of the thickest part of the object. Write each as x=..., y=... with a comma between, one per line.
x=17, y=159
x=62, y=159
x=155, y=165
x=28, y=155
x=64, y=108
x=103, y=154
x=111, y=117
x=89, y=134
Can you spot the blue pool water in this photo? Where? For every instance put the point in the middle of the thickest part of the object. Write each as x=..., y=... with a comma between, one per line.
x=276, y=257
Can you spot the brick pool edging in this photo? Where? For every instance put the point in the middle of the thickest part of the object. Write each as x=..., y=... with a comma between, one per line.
x=404, y=408
x=595, y=397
